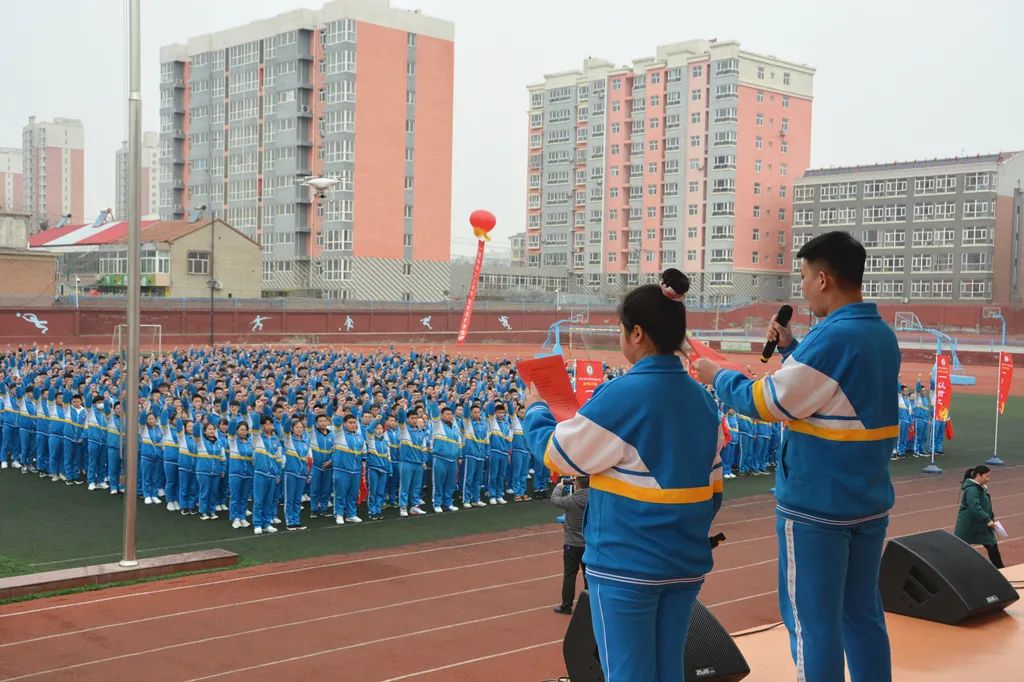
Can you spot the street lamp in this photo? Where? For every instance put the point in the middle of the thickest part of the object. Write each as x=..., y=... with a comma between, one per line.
x=78, y=281
x=558, y=300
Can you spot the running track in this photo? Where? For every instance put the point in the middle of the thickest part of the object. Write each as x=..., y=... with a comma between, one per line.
x=467, y=609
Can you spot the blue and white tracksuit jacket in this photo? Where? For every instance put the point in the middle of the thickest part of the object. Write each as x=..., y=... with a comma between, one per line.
x=833, y=486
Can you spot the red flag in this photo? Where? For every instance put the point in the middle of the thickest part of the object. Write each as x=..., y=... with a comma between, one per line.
x=943, y=388
x=364, y=492
x=949, y=430
x=1005, y=379
x=467, y=312
x=702, y=350
x=725, y=432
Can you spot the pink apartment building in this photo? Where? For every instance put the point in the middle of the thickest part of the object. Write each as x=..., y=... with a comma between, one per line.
x=53, y=170
x=359, y=91
x=11, y=177
x=685, y=159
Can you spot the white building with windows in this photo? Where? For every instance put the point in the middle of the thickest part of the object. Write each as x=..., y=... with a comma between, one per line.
x=938, y=230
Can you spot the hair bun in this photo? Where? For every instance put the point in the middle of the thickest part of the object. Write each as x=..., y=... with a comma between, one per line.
x=676, y=280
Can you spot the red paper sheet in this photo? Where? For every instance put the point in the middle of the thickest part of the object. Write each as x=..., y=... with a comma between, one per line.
x=548, y=375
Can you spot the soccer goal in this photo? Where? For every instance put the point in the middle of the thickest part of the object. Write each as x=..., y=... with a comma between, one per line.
x=151, y=337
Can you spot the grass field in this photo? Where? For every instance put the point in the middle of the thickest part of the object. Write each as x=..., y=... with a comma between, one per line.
x=47, y=526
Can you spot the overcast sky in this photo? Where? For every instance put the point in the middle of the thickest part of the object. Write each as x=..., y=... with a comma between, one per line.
x=895, y=80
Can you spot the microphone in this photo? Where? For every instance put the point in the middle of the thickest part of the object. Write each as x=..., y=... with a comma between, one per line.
x=783, y=317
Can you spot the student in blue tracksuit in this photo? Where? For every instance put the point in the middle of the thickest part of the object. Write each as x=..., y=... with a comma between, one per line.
x=520, y=456
x=730, y=454
x=905, y=406
x=42, y=426
x=321, y=445
x=27, y=430
x=56, y=418
x=347, y=464
x=938, y=435
x=240, y=453
x=747, y=456
x=296, y=471
x=150, y=439
x=832, y=484
x=476, y=441
x=209, y=467
x=446, y=445
x=96, y=445
x=412, y=455
x=922, y=423
x=394, y=476
x=499, y=451
x=378, y=467
x=170, y=448
x=649, y=441
x=9, y=440
x=268, y=467
x=188, y=484
x=115, y=444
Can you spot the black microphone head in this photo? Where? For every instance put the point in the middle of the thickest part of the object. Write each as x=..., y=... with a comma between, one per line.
x=784, y=315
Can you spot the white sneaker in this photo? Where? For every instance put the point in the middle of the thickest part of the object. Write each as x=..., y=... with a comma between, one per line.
x=270, y=529
x=453, y=508
x=438, y=510
x=354, y=519
x=509, y=491
x=16, y=465
x=416, y=511
x=502, y=500
x=258, y=531
x=202, y=517
x=160, y=492
x=531, y=472
x=236, y=524
x=467, y=505
x=170, y=506
x=103, y=486
x=113, y=492
x=92, y=486
x=213, y=516
x=305, y=498
x=340, y=520
x=177, y=506
x=248, y=512
x=3, y=465
x=244, y=524
x=403, y=512
x=54, y=478
x=276, y=520
x=479, y=503
x=148, y=500
x=494, y=500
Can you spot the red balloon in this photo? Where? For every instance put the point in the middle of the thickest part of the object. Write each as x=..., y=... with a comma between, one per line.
x=482, y=220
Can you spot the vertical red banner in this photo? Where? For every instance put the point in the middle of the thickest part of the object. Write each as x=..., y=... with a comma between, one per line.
x=1005, y=379
x=943, y=388
x=588, y=373
x=467, y=312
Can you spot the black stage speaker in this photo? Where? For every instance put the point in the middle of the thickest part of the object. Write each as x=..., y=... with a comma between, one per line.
x=939, y=577
x=710, y=652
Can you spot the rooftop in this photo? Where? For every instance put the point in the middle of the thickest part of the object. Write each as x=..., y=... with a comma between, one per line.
x=998, y=157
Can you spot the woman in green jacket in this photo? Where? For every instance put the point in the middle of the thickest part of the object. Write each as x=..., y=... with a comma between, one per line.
x=975, y=521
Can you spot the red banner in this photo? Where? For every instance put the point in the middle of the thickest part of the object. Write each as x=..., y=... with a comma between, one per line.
x=588, y=373
x=467, y=312
x=943, y=388
x=1005, y=379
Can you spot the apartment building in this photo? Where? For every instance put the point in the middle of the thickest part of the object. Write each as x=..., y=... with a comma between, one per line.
x=11, y=198
x=517, y=243
x=935, y=230
x=149, y=187
x=685, y=159
x=358, y=91
x=53, y=170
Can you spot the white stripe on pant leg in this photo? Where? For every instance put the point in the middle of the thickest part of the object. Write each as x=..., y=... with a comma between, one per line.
x=791, y=591
x=604, y=629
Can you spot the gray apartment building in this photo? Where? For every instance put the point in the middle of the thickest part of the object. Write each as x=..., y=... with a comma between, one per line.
x=935, y=231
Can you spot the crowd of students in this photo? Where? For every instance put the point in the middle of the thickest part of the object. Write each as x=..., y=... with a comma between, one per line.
x=246, y=431
x=921, y=433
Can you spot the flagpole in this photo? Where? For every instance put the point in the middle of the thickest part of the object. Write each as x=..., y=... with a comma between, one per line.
x=995, y=459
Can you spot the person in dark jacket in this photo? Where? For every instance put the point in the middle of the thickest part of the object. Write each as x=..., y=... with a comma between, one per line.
x=574, y=503
x=975, y=522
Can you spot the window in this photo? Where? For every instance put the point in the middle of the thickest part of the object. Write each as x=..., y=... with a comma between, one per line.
x=755, y=257
x=724, y=185
x=837, y=216
x=785, y=101
x=727, y=66
x=782, y=214
x=979, y=209
x=803, y=194
x=943, y=210
x=975, y=262
x=725, y=161
x=725, y=138
x=978, y=182
x=672, y=98
x=888, y=213
x=695, y=95
x=198, y=262
x=975, y=288
x=721, y=256
x=757, y=211
x=758, y=143
x=336, y=269
x=803, y=217
x=760, y=73
x=337, y=240
x=976, y=235
x=755, y=235
x=691, y=233
x=935, y=184
x=876, y=189
x=760, y=95
x=757, y=165
x=921, y=263
x=718, y=232
x=728, y=91
x=723, y=208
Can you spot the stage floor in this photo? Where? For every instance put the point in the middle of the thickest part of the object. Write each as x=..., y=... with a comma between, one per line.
x=990, y=647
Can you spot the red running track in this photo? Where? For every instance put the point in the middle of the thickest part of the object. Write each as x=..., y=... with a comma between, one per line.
x=466, y=609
